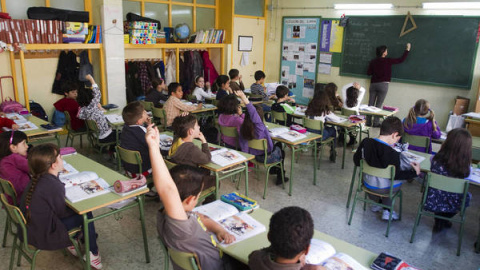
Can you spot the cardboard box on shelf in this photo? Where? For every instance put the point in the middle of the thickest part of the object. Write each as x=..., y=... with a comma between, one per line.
x=461, y=105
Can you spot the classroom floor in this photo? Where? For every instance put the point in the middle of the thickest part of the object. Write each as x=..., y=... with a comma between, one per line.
x=121, y=245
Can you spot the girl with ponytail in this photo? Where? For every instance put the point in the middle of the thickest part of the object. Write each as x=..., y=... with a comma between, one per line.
x=222, y=87
x=47, y=215
x=421, y=122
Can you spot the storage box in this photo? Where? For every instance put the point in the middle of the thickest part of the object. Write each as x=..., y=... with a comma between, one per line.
x=461, y=105
x=143, y=25
x=135, y=40
x=76, y=28
x=146, y=33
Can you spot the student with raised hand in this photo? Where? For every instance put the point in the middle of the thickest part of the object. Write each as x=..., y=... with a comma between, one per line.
x=380, y=69
x=13, y=161
x=177, y=225
x=221, y=87
x=174, y=106
x=290, y=233
x=378, y=152
x=453, y=160
x=254, y=128
x=47, y=215
x=202, y=90
x=235, y=80
x=421, y=122
x=353, y=94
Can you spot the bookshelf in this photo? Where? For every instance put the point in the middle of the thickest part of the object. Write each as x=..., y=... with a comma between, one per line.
x=184, y=46
x=50, y=47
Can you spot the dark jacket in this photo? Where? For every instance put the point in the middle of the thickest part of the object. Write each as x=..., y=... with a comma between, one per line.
x=133, y=138
x=47, y=207
x=381, y=68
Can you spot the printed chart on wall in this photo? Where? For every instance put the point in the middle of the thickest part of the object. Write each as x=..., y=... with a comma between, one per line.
x=298, y=67
x=331, y=41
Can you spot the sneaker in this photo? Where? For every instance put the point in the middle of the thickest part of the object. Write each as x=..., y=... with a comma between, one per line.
x=376, y=208
x=95, y=261
x=386, y=215
x=72, y=251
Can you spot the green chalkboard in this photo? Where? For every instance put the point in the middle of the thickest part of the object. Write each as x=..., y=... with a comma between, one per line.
x=443, y=48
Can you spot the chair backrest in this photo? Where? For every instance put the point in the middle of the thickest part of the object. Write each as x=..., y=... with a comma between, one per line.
x=16, y=216
x=92, y=126
x=160, y=114
x=475, y=153
x=388, y=172
x=147, y=105
x=419, y=141
x=169, y=164
x=68, y=121
x=259, y=144
x=185, y=260
x=313, y=124
x=348, y=112
x=215, y=102
x=129, y=156
x=230, y=132
x=279, y=116
x=7, y=188
x=256, y=97
x=449, y=184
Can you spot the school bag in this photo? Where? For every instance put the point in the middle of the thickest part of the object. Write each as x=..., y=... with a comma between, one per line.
x=37, y=110
x=8, y=104
x=58, y=118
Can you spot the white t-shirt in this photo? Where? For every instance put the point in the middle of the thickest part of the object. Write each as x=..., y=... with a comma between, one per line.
x=200, y=94
x=361, y=94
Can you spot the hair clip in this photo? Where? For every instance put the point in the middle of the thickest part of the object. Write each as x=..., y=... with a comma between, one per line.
x=11, y=137
x=27, y=206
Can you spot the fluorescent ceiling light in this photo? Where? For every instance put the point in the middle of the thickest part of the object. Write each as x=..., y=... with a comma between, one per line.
x=451, y=5
x=363, y=6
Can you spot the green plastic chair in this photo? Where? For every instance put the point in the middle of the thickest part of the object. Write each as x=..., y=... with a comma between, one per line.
x=229, y=132
x=185, y=260
x=388, y=173
x=448, y=184
x=147, y=105
x=317, y=125
x=93, y=136
x=159, y=117
x=364, y=129
x=130, y=157
x=261, y=144
x=352, y=183
x=279, y=116
x=419, y=141
x=7, y=188
x=72, y=133
x=29, y=252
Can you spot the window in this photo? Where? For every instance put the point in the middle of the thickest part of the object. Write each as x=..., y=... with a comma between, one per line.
x=205, y=18
x=18, y=8
x=130, y=6
x=68, y=4
x=249, y=7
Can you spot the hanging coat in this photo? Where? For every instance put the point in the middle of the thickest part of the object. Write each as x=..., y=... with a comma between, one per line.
x=197, y=67
x=170, y=69
x=210, y=73
x=159, y=70
x=67, y=70
x=144, y=78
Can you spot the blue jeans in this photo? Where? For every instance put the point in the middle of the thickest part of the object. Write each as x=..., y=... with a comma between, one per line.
x=77, y=221
x=327, y=132
x=275, y=156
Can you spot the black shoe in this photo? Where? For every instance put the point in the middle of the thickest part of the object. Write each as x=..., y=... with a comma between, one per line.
x=352, y=141
x=447, y=224
x=333, y=156
x=376, y=125
x=438, y=226
x=274, y=170
x=279, y=180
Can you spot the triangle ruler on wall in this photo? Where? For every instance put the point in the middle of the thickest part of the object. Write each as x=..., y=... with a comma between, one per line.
x=414, y=25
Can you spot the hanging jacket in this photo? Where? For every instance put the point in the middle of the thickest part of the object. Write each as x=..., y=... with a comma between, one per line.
x=67, y=70
x=210, y=74
x=187, y=72
x=170, y=69
x=197, y=65
x=143, y=76
x=159, y=70
x=134, y=87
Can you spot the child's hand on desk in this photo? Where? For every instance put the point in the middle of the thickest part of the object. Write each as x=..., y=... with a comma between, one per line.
x=152, y=136
x=15, y=127
x=416, y=167
x=225, y=237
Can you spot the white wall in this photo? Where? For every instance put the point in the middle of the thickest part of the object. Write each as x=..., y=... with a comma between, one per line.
x=401, y=95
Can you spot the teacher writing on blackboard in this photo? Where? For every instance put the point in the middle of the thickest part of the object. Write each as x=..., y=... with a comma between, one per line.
x=380, y=69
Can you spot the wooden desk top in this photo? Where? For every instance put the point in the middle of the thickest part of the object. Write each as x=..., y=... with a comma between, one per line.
x=310, y=136
x=82, y=163
x=241, y=250
x=40, y=131
x=383, y=113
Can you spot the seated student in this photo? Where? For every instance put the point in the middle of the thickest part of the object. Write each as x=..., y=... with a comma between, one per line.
x=421, y=122
x=177, y=225
x=235, y=80
x=254, y=128
x=90, y=110
x=69, y=103
x=202, y=89
x=257, y=88
x=13, y=161
x=289, y=233
x=133, y=136
x=158, y=94
x=319, y=109
x=282, y=97
x=453, y=160
x=378, y=152
x=174, y=106
x=48, y=217
x=353, y=94
x=221, y=87
x=7, y=123
x=335, y=99
x=230, y=115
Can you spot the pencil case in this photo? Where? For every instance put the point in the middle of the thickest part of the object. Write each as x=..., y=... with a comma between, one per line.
x=67, y=151
x=298, y=128
x=128, y=185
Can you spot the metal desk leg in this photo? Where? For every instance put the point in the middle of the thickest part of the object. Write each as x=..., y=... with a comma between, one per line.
x=344, y=146
x=87, y=241
x=246, y=178
x=314, y=163
x=141, y=200
x=58, y=139
x=291, y=170
x=216, y=185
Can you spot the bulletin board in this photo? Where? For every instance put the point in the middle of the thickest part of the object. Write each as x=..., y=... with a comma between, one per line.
x=299, y=47
x=331, y=45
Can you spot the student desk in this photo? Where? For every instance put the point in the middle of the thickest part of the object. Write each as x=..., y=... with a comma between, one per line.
x=41, y=135
x=297, y=146
x=221, y=171
x=82, y=163
x=241, y=250
x=382, y=113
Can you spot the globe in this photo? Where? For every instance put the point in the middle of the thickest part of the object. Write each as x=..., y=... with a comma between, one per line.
x=181, y=32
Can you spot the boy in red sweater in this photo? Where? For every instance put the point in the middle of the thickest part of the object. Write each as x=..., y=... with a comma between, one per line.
x=5, y=122
x=69, y=104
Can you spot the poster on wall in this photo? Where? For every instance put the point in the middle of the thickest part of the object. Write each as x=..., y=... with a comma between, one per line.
x=331, y=39
x=298, y=69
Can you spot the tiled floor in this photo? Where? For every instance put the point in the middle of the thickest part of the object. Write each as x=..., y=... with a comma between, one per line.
x=121, y=244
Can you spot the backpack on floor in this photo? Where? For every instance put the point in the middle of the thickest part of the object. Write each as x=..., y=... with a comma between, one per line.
x=38, y=111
